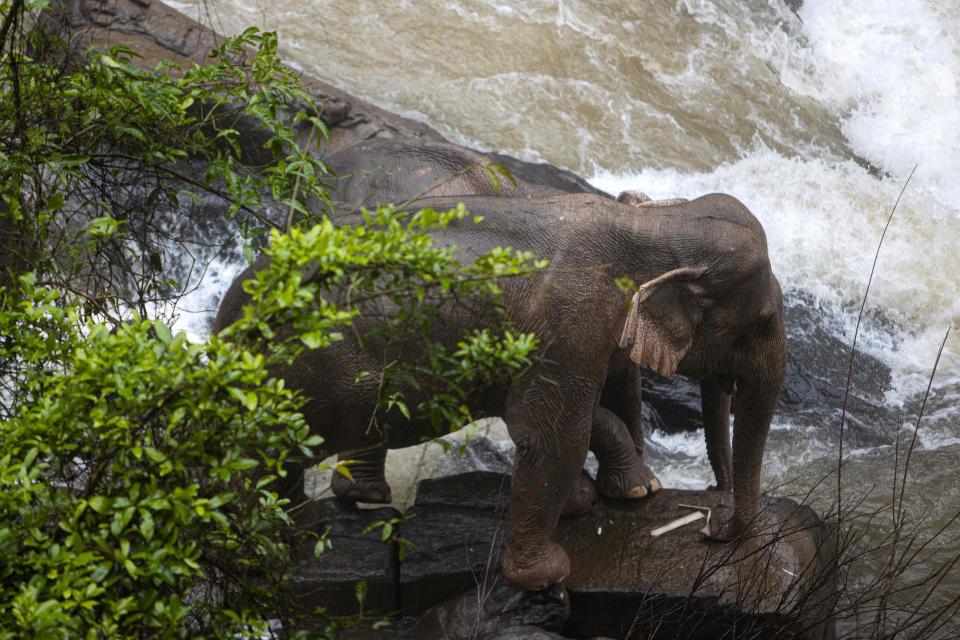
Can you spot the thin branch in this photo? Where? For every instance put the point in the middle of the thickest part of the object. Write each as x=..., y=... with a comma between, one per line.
x=856, y=332
x=916, y=427
x=16, y=7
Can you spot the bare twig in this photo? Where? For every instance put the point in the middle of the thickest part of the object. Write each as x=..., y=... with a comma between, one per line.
x=916, y=428
x=856, y=332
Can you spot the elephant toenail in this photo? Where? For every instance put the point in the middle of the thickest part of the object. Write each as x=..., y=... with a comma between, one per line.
x=637, y=492
x=655, y=485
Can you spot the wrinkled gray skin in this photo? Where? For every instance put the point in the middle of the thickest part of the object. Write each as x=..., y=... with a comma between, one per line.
x=708, y=306
x=394, y=170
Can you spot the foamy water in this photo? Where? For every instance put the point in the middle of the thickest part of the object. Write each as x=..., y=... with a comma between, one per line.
x=814, y=121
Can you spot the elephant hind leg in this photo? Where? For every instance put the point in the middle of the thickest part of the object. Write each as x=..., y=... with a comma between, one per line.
x=367, y=482
x=623, y=473
x=581, y=498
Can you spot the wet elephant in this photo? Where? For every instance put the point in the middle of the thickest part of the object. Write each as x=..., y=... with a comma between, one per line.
x=397, y=170
x=707, y=306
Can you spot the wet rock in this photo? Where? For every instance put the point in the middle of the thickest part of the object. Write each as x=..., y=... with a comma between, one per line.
x=548, y=175
x=674, y=403
x=495, y=610
x=330, y=580
x=794, y=5
x=780, y=584
x=457, y=527
x=817, y=366
x=621, y=577
x=524, y=632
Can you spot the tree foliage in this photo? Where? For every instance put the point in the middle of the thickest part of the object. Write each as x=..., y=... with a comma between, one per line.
x=136, y=465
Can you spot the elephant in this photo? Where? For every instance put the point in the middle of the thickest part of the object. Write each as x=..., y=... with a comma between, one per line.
x=706, y=305
x=397, y=170
x=641, y=200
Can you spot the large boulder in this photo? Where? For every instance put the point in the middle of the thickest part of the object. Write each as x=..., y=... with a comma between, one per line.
x=496, y=610
x=354, y=553
x=456, y=528
x=781, y=584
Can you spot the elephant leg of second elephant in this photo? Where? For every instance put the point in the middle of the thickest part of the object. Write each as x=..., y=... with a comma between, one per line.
x=716, y=424
x=623, y=395
x=622, y=472
x=367, y=482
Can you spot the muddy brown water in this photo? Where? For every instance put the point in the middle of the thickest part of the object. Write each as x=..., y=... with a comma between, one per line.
x=814, y=119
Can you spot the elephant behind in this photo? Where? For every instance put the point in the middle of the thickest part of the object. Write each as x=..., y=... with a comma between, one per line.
x=382, y=171
x=707, y=306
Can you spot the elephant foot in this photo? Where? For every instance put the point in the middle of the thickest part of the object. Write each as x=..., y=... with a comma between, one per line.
x=538, y=570
x=581, y=498
x=371, y=490
x=632, y=483
x=724, y=530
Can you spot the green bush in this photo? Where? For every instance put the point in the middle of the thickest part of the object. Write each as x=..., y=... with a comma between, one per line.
x=135, y=465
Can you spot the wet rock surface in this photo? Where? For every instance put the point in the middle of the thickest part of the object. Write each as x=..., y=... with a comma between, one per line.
x=496, y=610
x=817, y=367
x=780, y=583
x=354, y=553
x=457, y=528
x=623, y=582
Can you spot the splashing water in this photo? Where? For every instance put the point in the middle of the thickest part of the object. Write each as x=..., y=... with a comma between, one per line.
x=813, y=120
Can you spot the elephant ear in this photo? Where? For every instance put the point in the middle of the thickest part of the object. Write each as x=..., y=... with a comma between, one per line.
x=664, y=314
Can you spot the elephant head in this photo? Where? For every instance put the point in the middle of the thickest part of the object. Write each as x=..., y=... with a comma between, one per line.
x=719, y=319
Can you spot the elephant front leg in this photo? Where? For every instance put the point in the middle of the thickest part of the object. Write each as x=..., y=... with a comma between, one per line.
x=716, y=424
x=367, y=481
x=622, y=473
x=757, y=395
x=550, y=425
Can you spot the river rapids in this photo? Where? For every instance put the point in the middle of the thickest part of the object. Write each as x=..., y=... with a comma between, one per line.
x=813, y=116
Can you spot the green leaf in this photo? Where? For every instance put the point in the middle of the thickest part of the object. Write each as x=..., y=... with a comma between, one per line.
x=103, y=227
x=110, y=62
x=100, y=504
x=146, y=525
x=162, y=331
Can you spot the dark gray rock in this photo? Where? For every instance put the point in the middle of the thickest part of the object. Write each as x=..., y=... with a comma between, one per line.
x=548, y=175
x=817, y=367
x=330, y=580
x=621, y=578
x=492, y=610
x=679, y=586
x=471, y=491
x=674, y=403
x=457, y=527
x=794, y=5
x=524, y=632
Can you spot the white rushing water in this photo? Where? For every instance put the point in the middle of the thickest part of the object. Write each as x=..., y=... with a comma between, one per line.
x=813, y=120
